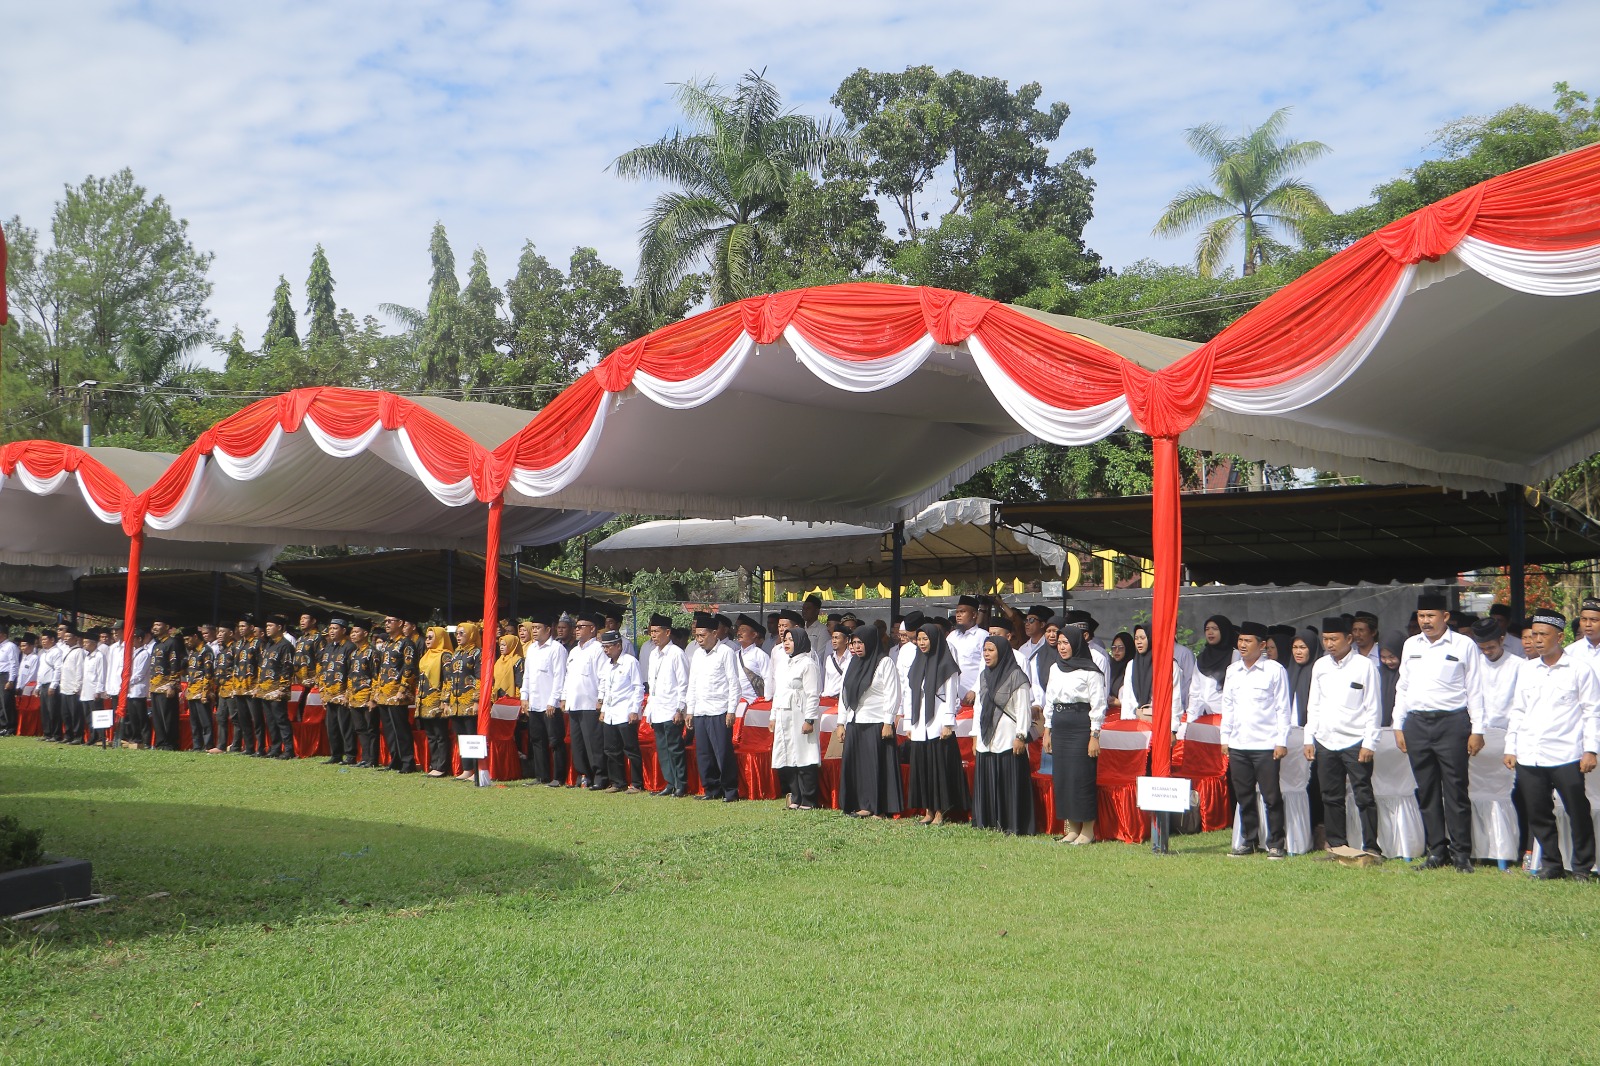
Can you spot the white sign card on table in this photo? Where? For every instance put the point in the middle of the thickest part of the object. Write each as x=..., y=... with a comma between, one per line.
x=1164, y=794
x=102, y=719
x=473, y=746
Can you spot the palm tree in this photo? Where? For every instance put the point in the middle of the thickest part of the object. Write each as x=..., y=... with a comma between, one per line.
x=733, y=167
x=1253, y=189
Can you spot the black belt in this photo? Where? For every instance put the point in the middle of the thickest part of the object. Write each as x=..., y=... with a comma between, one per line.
x=1456, y=710
x=1062, y=708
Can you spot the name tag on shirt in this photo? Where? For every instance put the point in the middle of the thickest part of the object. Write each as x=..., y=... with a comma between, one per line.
x=1451, y=659
x=1352, y=696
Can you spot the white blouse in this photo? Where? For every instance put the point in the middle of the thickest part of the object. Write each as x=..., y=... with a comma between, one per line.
x=941, y=716
x=1016, y=717
x=882, y=700
x=1077, y=686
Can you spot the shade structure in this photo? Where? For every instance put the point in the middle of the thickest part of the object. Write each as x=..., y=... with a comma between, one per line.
x=947, y=539
x=413, y=583
x=190, y=597
x=1343, y=534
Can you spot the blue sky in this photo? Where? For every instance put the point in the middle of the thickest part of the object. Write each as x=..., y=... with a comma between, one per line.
x=272, y=126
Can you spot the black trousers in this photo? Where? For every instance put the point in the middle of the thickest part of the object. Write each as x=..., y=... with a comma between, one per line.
x=164, y=717
x=441, y=741
x=799, y=783
x=624, y=760
x=280, y=734
x=466, y=725
x=713, y=753
x=135, y=720
x=397, y=734
x=244, y=725
x=202, y=726
x=536, y=734
x=339, y=720
x=1335, y=766
x=8, y=705
x=368, y=724
x=1247, y=772
x=1540, y=785
x=588, y=746
x=671, y=756
x=1436, y=744
x=259, y=737
x=49, y=717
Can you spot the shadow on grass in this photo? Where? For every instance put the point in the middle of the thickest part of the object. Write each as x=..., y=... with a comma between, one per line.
x=22, y=779
x=176, y=867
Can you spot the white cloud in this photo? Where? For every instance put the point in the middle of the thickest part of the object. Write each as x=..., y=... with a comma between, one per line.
x=274, y=126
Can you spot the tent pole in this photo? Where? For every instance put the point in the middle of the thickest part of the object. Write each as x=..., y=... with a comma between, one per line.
x=130, y=610
x=897, y=573
x=77, y=591
x=516, y=587
x=583, y=590
x=633, y=609
x=1517, y=565
x=449, y=586
x=1167, y=545
x=258, y=596
x=491, y=621
x=216, y=598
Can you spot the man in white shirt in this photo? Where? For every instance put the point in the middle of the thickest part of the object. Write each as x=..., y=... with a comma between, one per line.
x=10, y=667
x=1256, y=706
x=70, y=683
x=138, y=701
x=580, y=697
x=668, y=705
x=93, y=688
x=1498, y=673
x=1438, y=723
x=50, y=718
x=835, y=661
x=1552, y=742
x=713, y=698
x=1501, y=612
x=1344, y=716
x=754, y=664
x=1586, y=649
x=811, y=622
x=1364, y=631
x=28, y=678
x=621, y=697
x=966, y=644
x=544, y=675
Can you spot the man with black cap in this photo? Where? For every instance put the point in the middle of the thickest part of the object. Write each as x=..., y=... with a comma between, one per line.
x=331, y=675
x=166, y=670
x=966, y=644
x=668, y=705
x=136, y=707
x=1586, y=649
x=621, y=697
x=1438, y=723
x=1364, y=634
x=580, y=696
x=713, y=699
x=1552, y=742
x=308, y=651
x=199, y=684
x=1256, y=704
x=249, y=721
x=1498, y=814
x=361, y=675
x=1033, y=622
x=10, y=667
x=1344, y=717
x=50, y=652
x=754, y=664
x=277, y=675
x=69, y=683
x=544, y=674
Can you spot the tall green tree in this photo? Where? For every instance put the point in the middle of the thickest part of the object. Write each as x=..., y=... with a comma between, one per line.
x=440, y=347
x=480, y=327
x=322, y=313
x=281, y=325
x=732, y=166
x=1254, y=194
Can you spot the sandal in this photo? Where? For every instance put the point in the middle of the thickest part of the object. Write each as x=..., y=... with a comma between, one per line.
x=794, y=806
x=435, y=773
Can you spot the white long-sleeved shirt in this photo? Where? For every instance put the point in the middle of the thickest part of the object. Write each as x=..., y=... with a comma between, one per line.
x=10, y=660
x=713, y=681
x=27, y=671
x=71, y=677
x=544, y=674
x=1439, y=675
x=1515, y=646
x=817, y=633
x=1015, y=720
x=580, y=690
x=112, y=654
x=1183, y=655
x=935, y=719
x=1586, y=652
x=1346, y=703
x=50, y=665
x=1130, y=703
x=1556, y=715
x=1256, y=706
x=1499, y=681
x=1076, y=686
x=967, y=646
x=752, y=660
x=139, y=682
x=834, y=664
x=94, y=678
x=882, y=699
x=669, y=683
x=621, y=690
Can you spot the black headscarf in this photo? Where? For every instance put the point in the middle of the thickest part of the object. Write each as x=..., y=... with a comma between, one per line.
x=1214, y=659
x=1120, y=666
x=929, y=671
x=1300, y=674
x=1283, y=642
x=1080, y=659
x=802, y=642
x=858, y=676
x=1045, y=658
x=1388, y=677
x=1143, y=664
x=1000, y=683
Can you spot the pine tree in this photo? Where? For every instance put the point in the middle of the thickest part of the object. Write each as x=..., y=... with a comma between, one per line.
x=481, y=329
x=320, y=308
x=280, y=320
x=441, y=348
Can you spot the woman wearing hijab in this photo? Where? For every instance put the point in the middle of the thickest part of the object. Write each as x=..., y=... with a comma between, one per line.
x=1211, y=666
x=1138, y=675
x=1002, y=787
x=1304, y=650
x=1121, y=654
x=1075, y=701
x=869, y=698
x=938, y=783
x=1279, y=639
x=465, y=671
x=796, y=693
x=1389, y=651
x=433, y=709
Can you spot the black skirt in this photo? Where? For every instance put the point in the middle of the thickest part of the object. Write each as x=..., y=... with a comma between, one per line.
x=1002, y=793
x=938, y=783
x=1076, y=798
x=869, y=780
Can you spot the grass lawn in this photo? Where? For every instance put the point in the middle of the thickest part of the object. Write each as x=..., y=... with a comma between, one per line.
x=293, y=912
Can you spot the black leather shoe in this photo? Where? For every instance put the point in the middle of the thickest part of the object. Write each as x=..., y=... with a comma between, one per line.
x=1551, y=872
x=1434, y=862
x=1582, y=875
x=1277, y=853
x=1464, y=866
x=1242, y=851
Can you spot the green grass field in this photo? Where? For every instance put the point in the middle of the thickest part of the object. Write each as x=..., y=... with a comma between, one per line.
x=286, y=913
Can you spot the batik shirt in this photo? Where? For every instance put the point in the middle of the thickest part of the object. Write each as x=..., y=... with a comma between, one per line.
x=199, y=671
x=396, y=684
